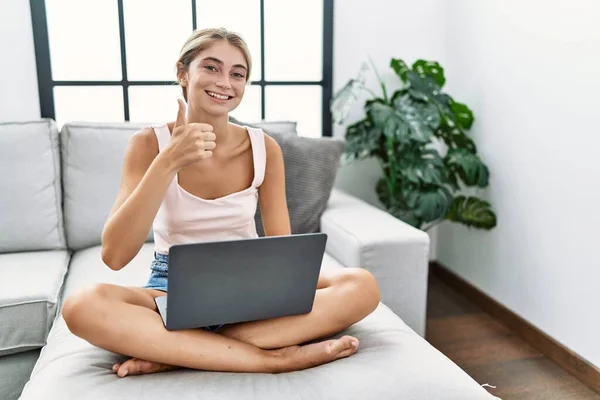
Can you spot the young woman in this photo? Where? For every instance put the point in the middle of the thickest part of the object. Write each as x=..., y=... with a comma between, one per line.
x=201, y=178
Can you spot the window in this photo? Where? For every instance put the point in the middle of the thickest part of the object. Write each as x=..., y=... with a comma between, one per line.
x=113, y=60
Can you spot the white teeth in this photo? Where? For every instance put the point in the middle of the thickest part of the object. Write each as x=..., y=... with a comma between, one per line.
x=218, y=96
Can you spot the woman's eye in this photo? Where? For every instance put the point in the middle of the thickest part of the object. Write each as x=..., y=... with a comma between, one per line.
x=238, y=75
x=210, y=68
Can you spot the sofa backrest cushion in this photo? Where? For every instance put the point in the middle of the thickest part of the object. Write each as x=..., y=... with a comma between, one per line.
x=30, y=203
x=92, y=156
x=270, y=126
x=311, y=165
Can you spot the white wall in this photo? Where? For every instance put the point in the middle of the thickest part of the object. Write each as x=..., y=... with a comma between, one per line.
x=531, y=73
x=19, y=99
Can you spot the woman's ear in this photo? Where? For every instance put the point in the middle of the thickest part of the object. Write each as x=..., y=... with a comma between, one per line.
x=181, y=75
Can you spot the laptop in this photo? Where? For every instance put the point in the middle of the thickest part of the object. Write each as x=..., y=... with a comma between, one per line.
x=226, y=282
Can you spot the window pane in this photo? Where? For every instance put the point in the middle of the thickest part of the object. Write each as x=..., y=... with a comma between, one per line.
x=155, y=31
x=240, y=16
x=296, y=103
x=249, y=109
x=84, y=40
x=88, y=103
x=153, y=104
x=294, y=40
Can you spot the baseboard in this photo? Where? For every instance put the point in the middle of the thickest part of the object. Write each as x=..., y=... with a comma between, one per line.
x=568, y=360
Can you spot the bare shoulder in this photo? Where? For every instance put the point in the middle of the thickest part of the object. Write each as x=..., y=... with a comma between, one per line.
x=145, y=137
x=272, y=148
x=142, y=149
x=143, y=146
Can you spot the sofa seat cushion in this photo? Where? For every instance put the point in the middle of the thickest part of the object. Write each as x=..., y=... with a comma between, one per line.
x=15, y=370
x=393, y=362
x=29, y=293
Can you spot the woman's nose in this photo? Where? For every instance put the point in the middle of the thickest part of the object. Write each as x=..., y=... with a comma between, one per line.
x=224, y=82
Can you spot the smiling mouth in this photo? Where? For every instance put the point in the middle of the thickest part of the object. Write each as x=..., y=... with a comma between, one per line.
x=218, y=95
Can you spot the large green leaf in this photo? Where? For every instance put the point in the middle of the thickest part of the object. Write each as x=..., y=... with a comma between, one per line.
x=455, y=138
x=432, y=69
x=434, y=204
x=423, y=167
x=422, y=117
x=426, y=87
x=362, y=140
x=463, y=114
x=429, y=203
x=388, y=120
x=423, y=84
x=468, y=166
x=472, y=211
x=400, y=67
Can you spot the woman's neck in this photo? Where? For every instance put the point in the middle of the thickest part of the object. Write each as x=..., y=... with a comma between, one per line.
x=219, y=123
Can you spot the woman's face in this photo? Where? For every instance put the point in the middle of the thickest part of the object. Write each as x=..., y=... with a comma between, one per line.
x=216, y=79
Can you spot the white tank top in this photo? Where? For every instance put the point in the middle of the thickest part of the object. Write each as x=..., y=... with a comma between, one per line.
x=184, y=218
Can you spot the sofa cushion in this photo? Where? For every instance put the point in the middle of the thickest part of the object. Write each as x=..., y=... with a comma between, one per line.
x=92, y=156
x=30, y=205
x=393, y=362
x=29, y=293
x=87, y=268
x=15, y=370
x=270, y=126
x=311, y=165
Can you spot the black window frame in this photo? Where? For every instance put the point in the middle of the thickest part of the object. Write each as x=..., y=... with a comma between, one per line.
x=46, y=84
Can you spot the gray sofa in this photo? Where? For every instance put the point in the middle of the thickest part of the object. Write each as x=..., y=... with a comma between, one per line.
x=56, y=191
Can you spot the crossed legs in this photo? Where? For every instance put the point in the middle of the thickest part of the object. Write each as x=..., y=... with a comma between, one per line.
x=124, y=320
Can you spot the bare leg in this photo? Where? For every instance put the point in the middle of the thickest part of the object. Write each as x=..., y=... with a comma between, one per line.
x=125, y=321
x=344, y=297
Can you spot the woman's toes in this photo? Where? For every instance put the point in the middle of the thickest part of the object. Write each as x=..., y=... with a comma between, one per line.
x=135, y=366
x=344, y=346
x=129, y=367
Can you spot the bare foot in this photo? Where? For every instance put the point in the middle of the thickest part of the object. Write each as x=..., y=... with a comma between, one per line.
x=295, y=358
x=135, y=366
x=292, y=358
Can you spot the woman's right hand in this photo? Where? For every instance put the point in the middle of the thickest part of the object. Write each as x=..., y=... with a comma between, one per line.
x=189, y=143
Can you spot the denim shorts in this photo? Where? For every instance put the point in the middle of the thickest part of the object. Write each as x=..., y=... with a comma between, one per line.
x=159, y=270
x=158, y=280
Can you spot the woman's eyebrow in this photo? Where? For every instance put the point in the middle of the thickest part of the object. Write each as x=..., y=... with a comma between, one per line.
x=221, y=62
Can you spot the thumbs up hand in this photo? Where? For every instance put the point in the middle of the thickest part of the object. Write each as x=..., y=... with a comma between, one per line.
x=189, y=142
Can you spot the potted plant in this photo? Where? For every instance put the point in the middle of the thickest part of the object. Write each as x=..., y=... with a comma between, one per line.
x=419, y=135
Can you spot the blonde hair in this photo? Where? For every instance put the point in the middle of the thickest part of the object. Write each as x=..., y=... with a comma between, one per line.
x=202, y=39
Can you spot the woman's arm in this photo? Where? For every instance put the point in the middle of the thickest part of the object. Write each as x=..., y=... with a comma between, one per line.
x=144, y=182
x=272, y=198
